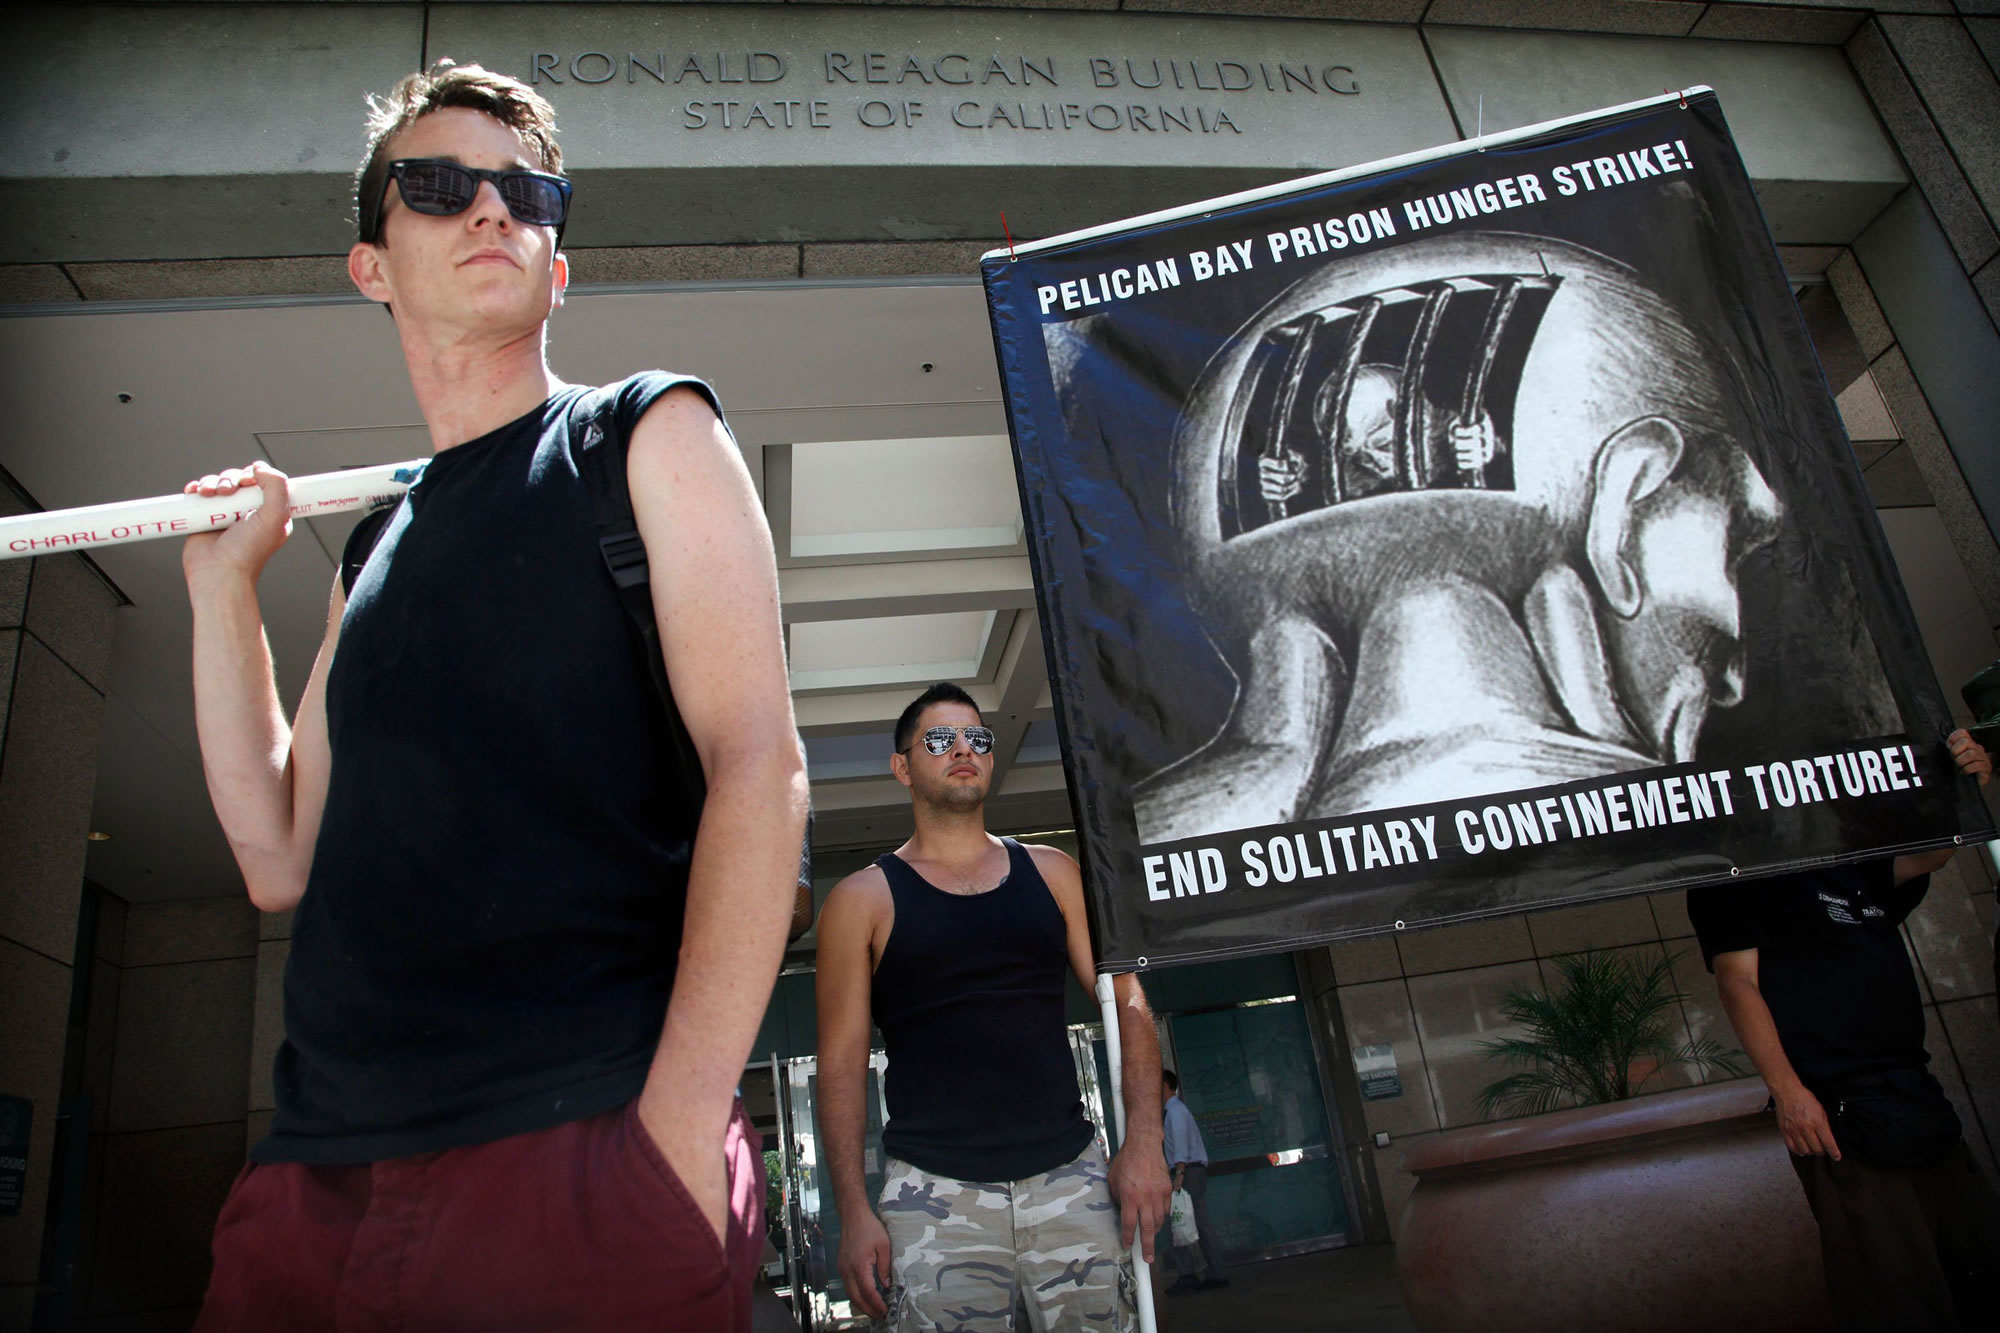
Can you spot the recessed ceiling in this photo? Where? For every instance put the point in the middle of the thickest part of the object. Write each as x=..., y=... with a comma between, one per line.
x=1040, y=745
x=892, y=650
x=900, y=459
x=871, y=497
x=830, y=758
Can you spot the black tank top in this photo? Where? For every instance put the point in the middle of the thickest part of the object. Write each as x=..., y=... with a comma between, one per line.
x=490, y=927
x=969, y=997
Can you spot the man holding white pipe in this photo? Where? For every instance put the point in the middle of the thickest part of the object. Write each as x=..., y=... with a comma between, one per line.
x=956, y=945
x=529, y=957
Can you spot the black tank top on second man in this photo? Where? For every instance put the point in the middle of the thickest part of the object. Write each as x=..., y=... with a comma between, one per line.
x=969, y=997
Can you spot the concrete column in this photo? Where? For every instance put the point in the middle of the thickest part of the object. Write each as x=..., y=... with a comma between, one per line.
x=174, y=1134
x=1932, y=261
x=1318, y=991
x=55, y=644
x=267, y=1024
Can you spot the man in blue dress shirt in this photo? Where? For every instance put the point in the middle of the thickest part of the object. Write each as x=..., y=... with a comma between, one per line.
x=1187, y=1155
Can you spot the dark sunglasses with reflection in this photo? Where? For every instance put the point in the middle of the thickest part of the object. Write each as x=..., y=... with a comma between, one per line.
x=939, y=740
x=439, y=188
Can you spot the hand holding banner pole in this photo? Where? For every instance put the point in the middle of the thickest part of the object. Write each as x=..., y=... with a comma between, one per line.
x=1142, y=1272
x=57, y=531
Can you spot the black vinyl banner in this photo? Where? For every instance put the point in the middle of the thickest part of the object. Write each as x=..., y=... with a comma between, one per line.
x=1453, y=538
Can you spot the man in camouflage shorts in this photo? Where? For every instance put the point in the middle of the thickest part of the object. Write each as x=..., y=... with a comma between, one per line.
x=1049, y=1242
x=957, y=946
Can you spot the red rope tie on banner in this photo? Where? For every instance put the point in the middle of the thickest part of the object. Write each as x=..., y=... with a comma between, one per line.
x=1011, y=256
x=1684, y=96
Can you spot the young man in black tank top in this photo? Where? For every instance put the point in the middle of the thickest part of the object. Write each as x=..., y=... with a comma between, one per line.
x=529, y=959
x=956, y=945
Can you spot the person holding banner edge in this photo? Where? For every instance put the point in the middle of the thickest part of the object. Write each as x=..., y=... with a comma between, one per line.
x=532, y=947
x=956, y=944
x=1818, y=986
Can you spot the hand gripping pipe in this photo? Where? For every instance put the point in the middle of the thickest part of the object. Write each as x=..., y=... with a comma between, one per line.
x=1142, y=1272
x=57, y=531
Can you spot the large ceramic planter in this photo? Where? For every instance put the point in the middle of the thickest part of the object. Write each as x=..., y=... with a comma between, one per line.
x=1667, y=1212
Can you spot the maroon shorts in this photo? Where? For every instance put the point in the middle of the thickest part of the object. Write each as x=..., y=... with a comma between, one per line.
x=582, y=1226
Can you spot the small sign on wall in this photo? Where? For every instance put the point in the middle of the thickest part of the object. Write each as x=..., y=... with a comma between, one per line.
x=1375, y=1066
x=16, y=1116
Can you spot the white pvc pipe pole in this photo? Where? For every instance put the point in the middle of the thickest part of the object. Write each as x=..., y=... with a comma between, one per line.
x=1142, y=1272
x=57, y=531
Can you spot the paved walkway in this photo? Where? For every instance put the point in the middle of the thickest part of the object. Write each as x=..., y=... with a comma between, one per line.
x=1334, y=1291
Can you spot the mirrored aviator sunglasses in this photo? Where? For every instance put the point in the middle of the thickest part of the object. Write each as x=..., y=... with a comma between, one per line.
x=939, y=740
x=441, y=188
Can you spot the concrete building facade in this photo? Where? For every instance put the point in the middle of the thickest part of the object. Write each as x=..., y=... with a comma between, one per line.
x=790, y=199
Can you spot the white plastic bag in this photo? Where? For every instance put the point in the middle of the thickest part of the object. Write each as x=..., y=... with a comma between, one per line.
x=1183, y=1219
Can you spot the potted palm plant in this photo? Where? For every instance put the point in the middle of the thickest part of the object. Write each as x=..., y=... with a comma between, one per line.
x=1604, y=1203
x=1599, y=1036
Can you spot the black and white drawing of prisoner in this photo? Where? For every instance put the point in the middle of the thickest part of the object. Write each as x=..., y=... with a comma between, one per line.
x=1463, y=516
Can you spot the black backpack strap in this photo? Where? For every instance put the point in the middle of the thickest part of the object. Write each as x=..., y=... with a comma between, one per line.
x=360, y=545
x=600, y=461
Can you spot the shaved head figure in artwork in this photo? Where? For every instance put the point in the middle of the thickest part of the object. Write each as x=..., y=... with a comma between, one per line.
x=1493, y=478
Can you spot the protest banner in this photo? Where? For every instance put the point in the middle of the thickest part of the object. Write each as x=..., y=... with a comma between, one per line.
x=1467, y=533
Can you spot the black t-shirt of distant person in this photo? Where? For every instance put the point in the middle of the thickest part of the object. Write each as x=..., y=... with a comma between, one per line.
x=1831, y=964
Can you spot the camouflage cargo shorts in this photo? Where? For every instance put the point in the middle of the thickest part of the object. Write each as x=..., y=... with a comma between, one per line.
x=964, y=1253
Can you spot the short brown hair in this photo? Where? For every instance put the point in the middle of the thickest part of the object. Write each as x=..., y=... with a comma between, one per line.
x=449, y=84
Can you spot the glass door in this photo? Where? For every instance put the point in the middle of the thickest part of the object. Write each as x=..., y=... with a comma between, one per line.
x=1086, y=1049
x=822, y=1297
x=1251, y=1078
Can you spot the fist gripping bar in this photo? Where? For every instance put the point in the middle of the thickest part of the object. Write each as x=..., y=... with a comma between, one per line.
x=61, y=530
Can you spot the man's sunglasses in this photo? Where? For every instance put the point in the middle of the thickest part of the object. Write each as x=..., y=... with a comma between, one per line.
x=939, y=740
x=441, y=188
